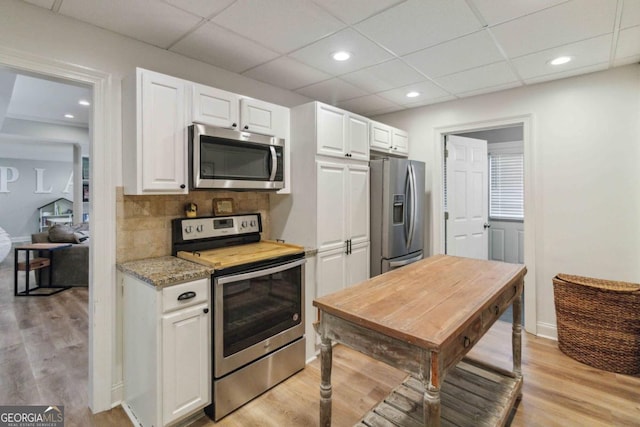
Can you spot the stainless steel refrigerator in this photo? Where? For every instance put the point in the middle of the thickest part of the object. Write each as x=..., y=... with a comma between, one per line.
x=397, y=213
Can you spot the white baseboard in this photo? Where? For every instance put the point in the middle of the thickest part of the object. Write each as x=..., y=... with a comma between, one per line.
x=117, y=394
x=132, y=417
x=547, y=330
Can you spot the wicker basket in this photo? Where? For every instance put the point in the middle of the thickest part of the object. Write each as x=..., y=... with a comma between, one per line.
x=599, y=322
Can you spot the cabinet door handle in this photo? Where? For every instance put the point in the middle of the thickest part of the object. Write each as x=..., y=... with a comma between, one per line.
x=182, y=186
x=346, y=245
x=186, y=295
x=246, y=127
x=234, y=125
x=467, y=342
x=205, y=310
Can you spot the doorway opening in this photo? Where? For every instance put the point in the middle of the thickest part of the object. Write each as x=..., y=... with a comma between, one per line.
x=494, y=224
x=102, y=215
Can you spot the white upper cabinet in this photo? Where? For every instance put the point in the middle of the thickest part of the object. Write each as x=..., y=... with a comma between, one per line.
x=400, y=141
x=341, y=133
x=154, y=134
x=388, y=140
x=380, y=137
x=215, y=107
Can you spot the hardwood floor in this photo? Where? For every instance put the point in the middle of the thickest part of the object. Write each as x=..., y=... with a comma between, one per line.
x=43, y=360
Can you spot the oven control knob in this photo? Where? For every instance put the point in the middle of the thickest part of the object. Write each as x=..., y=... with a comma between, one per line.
x=188, y=229
x=199, y=228
x=253, y=222
x=244, y=224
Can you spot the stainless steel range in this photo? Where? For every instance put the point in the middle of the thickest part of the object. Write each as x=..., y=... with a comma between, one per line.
x=258, y=302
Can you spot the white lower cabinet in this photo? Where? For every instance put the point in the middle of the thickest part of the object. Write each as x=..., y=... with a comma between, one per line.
x=337, y=270
x=167, y=351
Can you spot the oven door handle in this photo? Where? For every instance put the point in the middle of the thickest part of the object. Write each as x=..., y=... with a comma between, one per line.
x=259, y=273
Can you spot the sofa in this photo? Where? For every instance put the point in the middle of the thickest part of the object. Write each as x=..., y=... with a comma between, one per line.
x=70, y=265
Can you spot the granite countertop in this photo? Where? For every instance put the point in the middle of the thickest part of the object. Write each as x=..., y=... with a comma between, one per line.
x=165, y=271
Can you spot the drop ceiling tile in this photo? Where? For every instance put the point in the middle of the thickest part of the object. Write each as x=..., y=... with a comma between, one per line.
x=628, y=42
x=427, y=90
x=367, y=104
x=618, y=62
x=150, y=21
x=47, y=4
x=364, y=53
x=203, y=8
x=498, y=11
x=354, y=11
x=287, y=73
x=630, y=14
x=281, y=25
x=562, y=24
x=417, y=24
x=429, y=102
x=569, y=73
x=490, y=89
x=456, y=55
x=222, y=48
x=385, y=111
x=584, y=53
x=385, y=76
x=478, y=78
x=331, y=91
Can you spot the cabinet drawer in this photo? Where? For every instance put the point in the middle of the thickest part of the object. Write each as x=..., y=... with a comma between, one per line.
x=499, y=305
x=185, y=295
x=456, y=349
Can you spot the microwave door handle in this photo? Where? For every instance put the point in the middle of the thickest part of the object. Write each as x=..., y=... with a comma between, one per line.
x=274, y=163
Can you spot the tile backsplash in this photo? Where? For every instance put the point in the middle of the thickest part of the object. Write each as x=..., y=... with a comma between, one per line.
x=143, y=227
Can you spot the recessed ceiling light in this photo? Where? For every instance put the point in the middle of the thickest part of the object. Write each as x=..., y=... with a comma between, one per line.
x=560, y=60
x=341, y=55
x=84, y=102
x=69, y=116
x=413, y=94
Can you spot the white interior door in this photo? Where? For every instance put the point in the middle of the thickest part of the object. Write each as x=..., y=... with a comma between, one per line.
x=467, y=197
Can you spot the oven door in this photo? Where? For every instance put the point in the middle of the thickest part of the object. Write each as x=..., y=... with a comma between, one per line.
x=256, y=313
x=223, y=158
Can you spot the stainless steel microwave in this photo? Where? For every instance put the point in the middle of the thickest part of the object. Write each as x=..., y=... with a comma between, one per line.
x=234, y=160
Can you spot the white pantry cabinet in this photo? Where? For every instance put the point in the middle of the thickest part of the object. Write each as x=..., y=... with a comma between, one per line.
x=388, y=140
x=342, y=204
x=217, y=107
x=336, y=269
x=154, y=127
x=341, y=133
x=167, y=350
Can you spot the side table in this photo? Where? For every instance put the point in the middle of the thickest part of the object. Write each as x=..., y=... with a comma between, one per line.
x=37, y=263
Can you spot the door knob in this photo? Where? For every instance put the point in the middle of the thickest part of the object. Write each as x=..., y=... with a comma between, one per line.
x=487, y=225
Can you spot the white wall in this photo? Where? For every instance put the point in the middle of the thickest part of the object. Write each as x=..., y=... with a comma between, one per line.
x=586, y=137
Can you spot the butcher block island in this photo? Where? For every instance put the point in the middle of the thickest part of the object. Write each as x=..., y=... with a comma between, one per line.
x=424, y=318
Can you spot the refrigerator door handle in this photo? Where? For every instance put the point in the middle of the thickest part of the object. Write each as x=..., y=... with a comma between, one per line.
x=396, y=264
x=413, y=196
x=407, y=199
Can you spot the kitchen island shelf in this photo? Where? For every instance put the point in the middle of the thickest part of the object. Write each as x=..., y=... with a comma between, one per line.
x=473, y=394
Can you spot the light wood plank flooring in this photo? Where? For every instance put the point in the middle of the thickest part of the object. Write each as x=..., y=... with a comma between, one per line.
x=43, y=360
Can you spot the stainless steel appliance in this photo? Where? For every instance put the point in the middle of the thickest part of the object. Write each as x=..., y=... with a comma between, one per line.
x=231, y=159
x=258, y=301
x=397, y=213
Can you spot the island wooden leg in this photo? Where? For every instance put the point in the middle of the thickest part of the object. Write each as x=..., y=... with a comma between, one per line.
x=431, y=403
x=516, y=336
x=325, y=382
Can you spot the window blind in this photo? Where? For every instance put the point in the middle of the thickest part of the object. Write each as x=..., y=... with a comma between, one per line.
x=506, y=186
